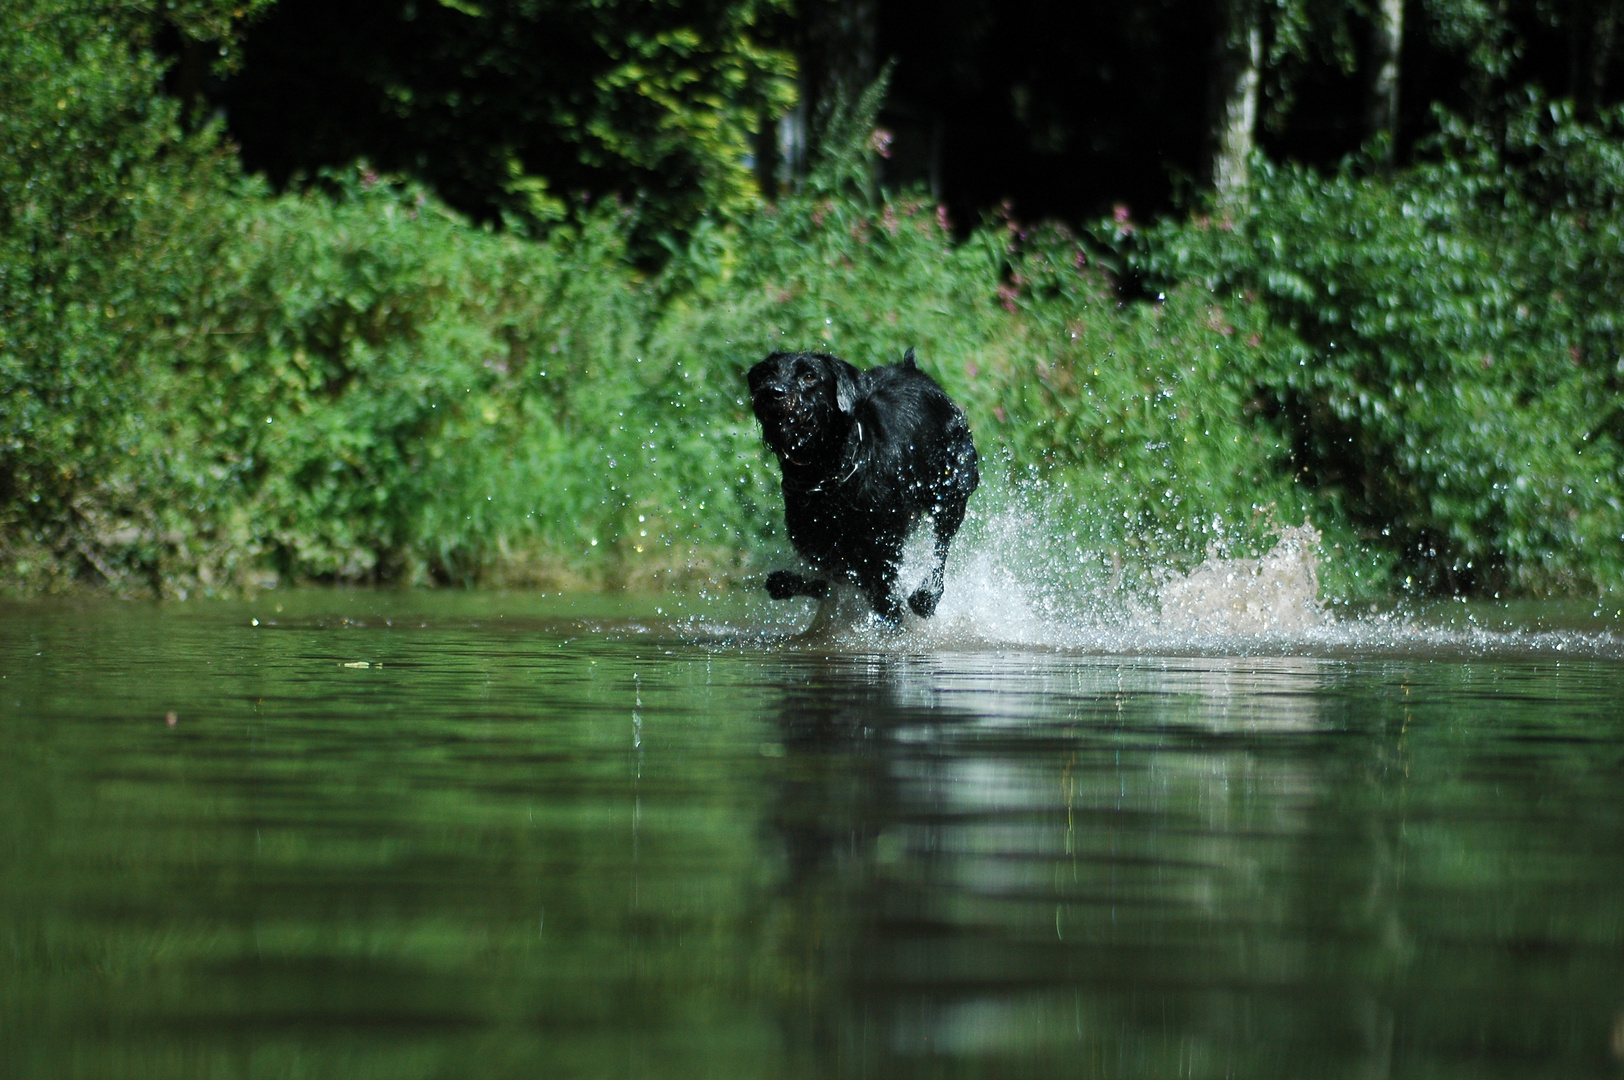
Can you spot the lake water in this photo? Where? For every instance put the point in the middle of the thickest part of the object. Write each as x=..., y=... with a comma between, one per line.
x=355, y=834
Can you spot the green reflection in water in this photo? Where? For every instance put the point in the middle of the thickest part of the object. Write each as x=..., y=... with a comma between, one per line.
x=551, y=839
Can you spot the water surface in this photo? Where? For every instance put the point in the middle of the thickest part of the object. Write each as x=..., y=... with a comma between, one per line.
x=418, y=835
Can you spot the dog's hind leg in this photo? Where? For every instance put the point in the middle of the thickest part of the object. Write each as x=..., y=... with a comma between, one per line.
x=783, y=584
x=878, y=581
x=945, y=525
x=882, y=597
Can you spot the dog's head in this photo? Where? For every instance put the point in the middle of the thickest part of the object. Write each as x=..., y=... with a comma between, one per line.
x=804, y=402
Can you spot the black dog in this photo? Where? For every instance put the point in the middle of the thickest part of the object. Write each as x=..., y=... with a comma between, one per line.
x=865, y=455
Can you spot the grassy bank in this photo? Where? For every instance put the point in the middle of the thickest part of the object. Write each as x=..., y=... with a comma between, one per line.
x=204, y=386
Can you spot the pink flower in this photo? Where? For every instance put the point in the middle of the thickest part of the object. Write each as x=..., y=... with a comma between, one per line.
x=941, y=218
x=880, y=142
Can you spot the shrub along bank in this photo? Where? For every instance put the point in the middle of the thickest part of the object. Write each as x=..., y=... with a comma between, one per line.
x=204, y=386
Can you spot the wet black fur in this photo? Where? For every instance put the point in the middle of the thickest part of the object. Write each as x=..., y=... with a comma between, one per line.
x=865, y=455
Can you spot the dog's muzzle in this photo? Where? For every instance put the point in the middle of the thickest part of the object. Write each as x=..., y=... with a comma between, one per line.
x=786, y=420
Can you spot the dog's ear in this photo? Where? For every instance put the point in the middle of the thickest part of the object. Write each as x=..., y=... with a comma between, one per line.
x=848, y=386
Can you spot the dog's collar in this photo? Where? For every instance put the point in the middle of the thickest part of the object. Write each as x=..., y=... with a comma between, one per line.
x=855, y=464
x=849, y=473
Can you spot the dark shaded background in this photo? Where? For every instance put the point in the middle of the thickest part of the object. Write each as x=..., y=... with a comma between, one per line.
x=1061, y=109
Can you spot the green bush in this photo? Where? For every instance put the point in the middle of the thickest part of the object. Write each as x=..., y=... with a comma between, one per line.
x=98, y=188
x=205, y=386
x=1450, y=377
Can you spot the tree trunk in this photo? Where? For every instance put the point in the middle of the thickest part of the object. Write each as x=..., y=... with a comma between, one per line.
x=1602, y=52
x=1236, y=75
x=839, y=41
x=838, y=48
x=1387, y=40
x=768, y=158
x=1592, y=26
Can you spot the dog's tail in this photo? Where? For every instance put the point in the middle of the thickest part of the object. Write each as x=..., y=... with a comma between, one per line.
x=908, y=360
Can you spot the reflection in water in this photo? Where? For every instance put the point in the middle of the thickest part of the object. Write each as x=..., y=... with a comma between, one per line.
x=983, y=860
x=529, y=845
x=1193, y=867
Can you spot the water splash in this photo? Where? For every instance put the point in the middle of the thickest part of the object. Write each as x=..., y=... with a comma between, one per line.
x=1278, y=593
x=1023, y=575
x=1018, y=580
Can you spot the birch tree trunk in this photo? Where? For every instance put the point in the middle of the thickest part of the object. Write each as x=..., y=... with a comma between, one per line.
x=1387, y=40
x=1236, y=75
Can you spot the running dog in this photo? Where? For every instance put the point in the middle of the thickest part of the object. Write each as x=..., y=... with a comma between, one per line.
x=865, y=455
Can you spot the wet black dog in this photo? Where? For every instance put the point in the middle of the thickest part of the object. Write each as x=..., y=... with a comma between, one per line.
x=865, y=455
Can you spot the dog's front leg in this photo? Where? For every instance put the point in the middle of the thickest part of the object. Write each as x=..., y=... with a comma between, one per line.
x=925, y=598
x=944, y=525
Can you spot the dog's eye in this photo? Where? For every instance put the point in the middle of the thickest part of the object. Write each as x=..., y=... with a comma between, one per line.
x=808, y=378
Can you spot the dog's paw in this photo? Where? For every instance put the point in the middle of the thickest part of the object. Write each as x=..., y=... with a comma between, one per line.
x=923, y=603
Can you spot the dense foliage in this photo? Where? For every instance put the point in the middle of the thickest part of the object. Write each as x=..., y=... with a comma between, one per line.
x=203, y=385
x=506, y=107
x=1453, y=373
